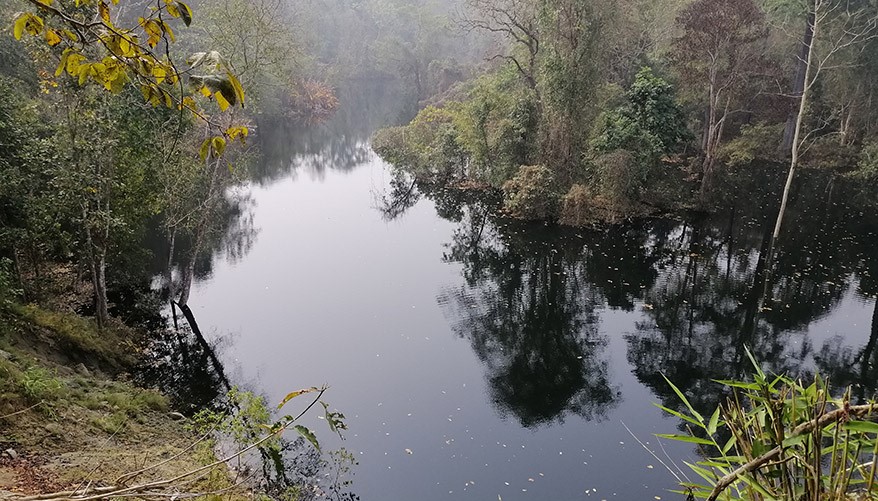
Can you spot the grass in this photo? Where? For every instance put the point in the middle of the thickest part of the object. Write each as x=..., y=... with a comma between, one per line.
x=112, y=346
x=81, y=426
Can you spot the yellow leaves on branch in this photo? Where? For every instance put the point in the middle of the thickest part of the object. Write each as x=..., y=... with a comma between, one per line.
x=31, y=24
x=130, y=51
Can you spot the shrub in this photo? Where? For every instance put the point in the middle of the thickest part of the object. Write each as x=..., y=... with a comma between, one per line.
x=827, y=153
x=649, y=124
x=37, y=384
x=620, y=177
x=532, y=194
x=313, y=102
x=867, y=167
x=578, y=207
x=428, y=147
x=757, y=142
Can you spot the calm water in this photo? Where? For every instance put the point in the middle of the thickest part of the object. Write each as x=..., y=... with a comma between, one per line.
x=505, y=357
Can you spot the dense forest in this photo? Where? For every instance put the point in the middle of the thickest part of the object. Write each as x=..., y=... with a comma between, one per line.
x=600, y=111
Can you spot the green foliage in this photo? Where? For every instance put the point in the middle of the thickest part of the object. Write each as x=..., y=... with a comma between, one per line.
x=428, y=147
x=649, y=123
x=532, y=193
x=487, y=137
x=498, y=127
x=798, y=441
x=38, y=384
x=756, y=142
x=9, y=290
x=867, y=167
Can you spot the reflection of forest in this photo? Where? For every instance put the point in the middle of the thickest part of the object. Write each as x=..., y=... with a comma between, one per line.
x=531, y=317
x=531, y=296
x=341, y=144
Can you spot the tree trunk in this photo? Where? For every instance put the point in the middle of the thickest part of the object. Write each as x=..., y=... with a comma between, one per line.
x=169, y=270
x=797, y=143
x=186, y=280
x=798, y=83
x=97, y=267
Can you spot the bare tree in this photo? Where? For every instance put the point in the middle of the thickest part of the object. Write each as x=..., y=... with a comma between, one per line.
x=837, y=27
x=516, y=21
x=722, y=45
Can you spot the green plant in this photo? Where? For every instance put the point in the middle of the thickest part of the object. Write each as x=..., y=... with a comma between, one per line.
x=532, y=193
x=756, y=142
x=9, y=289
x=775, y=438
x=38, y=384
x=867, y=167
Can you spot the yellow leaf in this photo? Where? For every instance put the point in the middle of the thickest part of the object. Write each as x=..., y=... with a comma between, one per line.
x=125, y=47
x=173, y=10
x=27, y=23
x=219, y=145
x=63, y=64
x=159, y=73
x=104, y=10
x=205, y=149
x=204, y=91
x=221, y=101
x=74, y=61
x=294, y=395
x=167, y=29
x=18, y=27
x=236, y=85
x=52, y=38
x=83, y=73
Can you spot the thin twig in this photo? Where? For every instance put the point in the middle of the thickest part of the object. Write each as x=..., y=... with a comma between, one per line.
x=34, y=406
x=647, y=449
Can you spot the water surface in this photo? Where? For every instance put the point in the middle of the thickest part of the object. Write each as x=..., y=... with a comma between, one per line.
x=478, y=358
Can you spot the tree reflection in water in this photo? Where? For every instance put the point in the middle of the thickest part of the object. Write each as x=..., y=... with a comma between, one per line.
x=531, y=295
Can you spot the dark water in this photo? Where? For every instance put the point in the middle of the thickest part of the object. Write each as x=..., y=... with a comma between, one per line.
x=480, y=358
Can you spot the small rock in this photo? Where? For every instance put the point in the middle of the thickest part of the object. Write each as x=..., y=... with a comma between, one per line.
x=10, y=453
x=176, y=416
x=82, y=370
x=5, y=355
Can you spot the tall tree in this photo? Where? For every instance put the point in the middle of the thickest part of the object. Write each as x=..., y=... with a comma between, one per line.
x=574, y=53
x=518, y=23
x=838, y=26
x=721, y=46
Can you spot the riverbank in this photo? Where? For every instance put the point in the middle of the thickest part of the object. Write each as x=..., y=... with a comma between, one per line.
x=70, y=417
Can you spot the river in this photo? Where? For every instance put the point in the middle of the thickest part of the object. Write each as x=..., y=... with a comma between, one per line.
x=480, y=358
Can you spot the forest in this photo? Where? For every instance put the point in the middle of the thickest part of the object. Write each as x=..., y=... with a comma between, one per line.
x=711, y=165
x=599, y=112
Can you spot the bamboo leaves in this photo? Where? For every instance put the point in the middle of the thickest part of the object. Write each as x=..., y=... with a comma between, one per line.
x=778, y=429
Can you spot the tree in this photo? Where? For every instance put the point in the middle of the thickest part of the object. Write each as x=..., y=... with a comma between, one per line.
x=518, y=23
x=573, y=43
x=650, y=117
x=836, y=27
x=257, y=37
x=722, y=47
x=98, y=48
